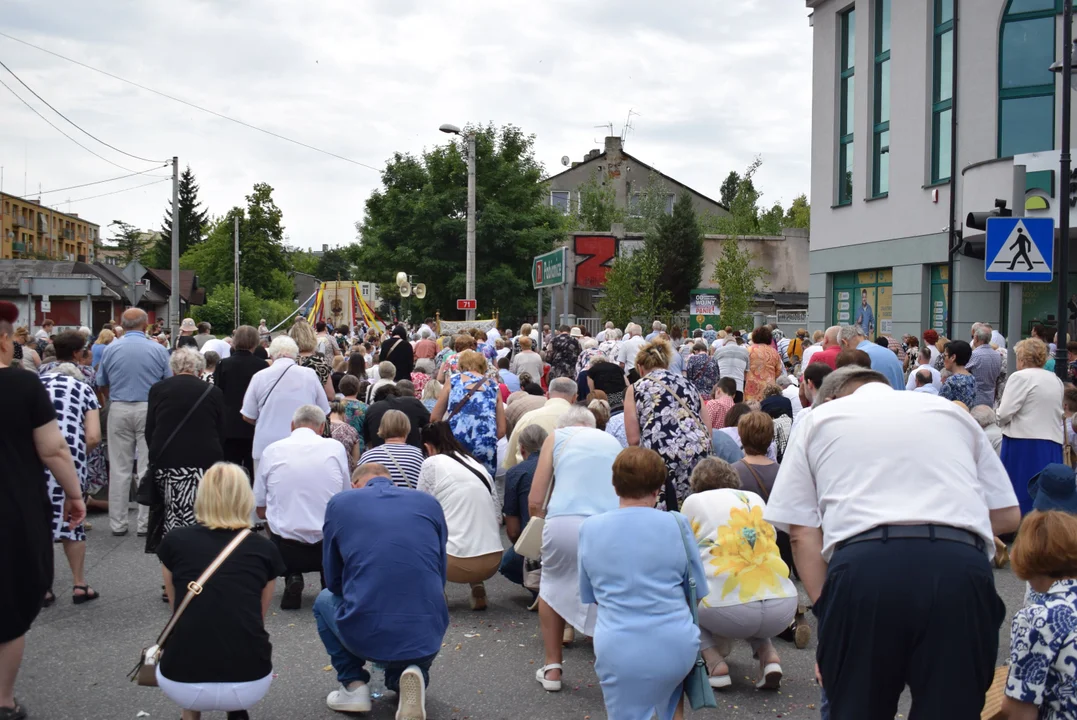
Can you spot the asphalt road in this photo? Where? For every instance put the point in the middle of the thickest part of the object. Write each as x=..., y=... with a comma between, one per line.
x=77, y=657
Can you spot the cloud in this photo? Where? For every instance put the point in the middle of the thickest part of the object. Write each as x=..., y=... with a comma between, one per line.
x=713, y=83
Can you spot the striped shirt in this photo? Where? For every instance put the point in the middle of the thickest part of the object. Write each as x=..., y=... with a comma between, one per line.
x=403, y=462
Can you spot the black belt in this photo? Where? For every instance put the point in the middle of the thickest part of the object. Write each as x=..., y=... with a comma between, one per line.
x=917, y=532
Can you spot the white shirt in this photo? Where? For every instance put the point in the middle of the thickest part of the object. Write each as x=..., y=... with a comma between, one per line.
x=934, y=353
x=808, y=352
x=927, y=389
x=841, y=471
x=218, y=346
x=793, y=394
x=998, y=339
x=936, y=377
x=629, y=348
x=273, y=407
x=42, y=335
x=1031, y=406
x=471, y=510
x=296, y=478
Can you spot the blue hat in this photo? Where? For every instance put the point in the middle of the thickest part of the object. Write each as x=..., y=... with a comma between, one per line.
x=1054, y=488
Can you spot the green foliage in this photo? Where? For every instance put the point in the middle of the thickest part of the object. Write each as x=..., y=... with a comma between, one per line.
x=416, y=222
x=798, y=215
x=597, y=206
x=303, y=261
x=263, y=263
x=747, y=217
x=648, y=206
x=193, y=224
x=219, y=309
x=677, y=245
x=736, y=278
x=334, y=265
x=633, y=289
x=729, y=187
x=126, y=238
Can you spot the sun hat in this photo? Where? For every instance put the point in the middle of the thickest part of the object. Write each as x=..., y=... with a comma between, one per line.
x=187, y=324
x=1054, y=488
x=575, y=332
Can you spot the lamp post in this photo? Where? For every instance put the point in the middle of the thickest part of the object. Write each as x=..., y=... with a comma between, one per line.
x=469, y=281
x=1066, y=68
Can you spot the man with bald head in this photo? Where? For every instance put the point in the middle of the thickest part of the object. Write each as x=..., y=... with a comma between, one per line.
x=130, y=365
x=831, y=347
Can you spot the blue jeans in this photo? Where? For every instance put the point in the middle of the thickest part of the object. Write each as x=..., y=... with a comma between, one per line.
x=824, y=705
x=512, y=566
x=349, y=665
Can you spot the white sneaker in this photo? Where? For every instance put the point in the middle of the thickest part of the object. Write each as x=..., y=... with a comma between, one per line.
x=412, y=696
x=345, y=700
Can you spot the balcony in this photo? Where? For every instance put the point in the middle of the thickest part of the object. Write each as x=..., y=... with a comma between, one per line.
x=21, y=222
x=68, y=235
x=18, y=247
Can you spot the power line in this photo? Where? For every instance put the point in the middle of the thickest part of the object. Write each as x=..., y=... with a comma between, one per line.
x=98, y=182
x=72, y=122
x=57, y=129
x=191, y=104
x=115, y=192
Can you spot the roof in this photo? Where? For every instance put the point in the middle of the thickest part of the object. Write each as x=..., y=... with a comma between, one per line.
x=189, y=290
x=11, y=271
x=633, y=158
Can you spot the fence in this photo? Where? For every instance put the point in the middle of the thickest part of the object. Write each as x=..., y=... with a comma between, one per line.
x=787, y=321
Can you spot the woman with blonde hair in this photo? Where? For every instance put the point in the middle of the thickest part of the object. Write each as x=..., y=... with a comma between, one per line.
x=663, y=412
x=104, y=337
x=471, y=403
x=307, y=340
x=404, y=461
x=1031, y=417
x=430, y=393
x=218, y=656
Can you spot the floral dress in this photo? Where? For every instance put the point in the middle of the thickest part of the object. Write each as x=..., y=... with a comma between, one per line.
x=346, y=435
x=586, y=357
x=702, y=371
x=1043, y=656
x=564, y=351
x=475, y=424
x=960, y=387
x=671, y=430
x=764, y=366
x=72, y=399
x=355, y=415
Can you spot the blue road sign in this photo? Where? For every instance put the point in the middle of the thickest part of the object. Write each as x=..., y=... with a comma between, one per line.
x=1020, y=249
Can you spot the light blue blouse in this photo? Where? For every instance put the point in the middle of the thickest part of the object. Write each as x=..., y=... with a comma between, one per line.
x=583, y=472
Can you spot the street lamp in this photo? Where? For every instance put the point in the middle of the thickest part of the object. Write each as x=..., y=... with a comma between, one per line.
x=1065, y=66
x=470, y=271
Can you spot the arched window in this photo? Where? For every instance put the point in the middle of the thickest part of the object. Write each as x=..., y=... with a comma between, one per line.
x=1026, y=105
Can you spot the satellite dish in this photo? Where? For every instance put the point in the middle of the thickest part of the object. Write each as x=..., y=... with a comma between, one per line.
x=420, y=291
x=565, y=160
x=405, y=289
x=401, y=279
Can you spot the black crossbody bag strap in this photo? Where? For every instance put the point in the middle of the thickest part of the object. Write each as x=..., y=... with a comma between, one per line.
x=186, y=417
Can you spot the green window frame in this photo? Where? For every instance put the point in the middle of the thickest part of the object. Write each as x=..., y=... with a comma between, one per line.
x=846, y=106
x=880, y=146
x=1026, y=105
x=942, y=92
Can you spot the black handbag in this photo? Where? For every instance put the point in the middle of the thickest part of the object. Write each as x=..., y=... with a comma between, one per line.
x=149, y=493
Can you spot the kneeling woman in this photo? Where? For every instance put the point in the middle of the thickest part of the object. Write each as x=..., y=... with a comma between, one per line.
x=218, y=657
x=634, y=564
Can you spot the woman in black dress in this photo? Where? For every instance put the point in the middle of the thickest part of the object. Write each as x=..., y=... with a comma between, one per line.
x=397, y=350
x=232, y=377
x=30, y=441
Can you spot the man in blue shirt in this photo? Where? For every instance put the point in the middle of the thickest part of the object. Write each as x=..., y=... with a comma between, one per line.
x=383, y=553
x=130, y=365
x=883, y=360
x=517, y=488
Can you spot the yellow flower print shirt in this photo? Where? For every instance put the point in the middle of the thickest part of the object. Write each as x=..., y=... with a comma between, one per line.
x=738, y=548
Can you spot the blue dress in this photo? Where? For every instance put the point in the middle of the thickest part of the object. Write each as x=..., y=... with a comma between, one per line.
x=634, y=565
x=1043, y=659
x=475, y=425
x=960, y=387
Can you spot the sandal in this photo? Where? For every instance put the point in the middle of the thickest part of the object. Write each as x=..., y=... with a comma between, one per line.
x=13, y=713
x=50, y=598
x=719, y=680
x=88, y=594
x=549, y=685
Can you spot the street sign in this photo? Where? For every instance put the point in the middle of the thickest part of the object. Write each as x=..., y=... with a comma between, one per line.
x=46, y=306
x=1020, y=249
x=466, y=305
x=548, y=270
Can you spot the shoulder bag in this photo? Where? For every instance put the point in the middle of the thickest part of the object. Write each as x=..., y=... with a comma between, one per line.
x=145, y=672
x=471, y=391
x=758, y=481
x=697, y=684
x=529, y=544
x=1067, y=449
x=149, y=493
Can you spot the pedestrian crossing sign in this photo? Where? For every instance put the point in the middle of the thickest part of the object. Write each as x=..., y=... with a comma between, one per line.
x=1019, y=249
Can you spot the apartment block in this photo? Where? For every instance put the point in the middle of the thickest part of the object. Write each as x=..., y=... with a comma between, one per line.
x=29, y=230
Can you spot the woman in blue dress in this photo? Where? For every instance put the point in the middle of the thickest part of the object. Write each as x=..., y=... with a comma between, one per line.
x=961, y=385
x=633, y=564
x=471, y=403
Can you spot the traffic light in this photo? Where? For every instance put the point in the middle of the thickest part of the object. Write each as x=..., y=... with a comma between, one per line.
x=978, y=220
x=1073, y=188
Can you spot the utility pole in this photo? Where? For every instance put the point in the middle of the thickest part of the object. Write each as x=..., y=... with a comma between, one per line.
x=174, y=296
x=1061, y=356
x=236, y=269
x=470, y=279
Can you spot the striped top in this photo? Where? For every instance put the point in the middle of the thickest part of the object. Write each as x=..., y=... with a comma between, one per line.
x=401, y=460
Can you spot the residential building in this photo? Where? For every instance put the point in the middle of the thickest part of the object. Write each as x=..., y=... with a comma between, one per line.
x=30, y=230
x=922, y=112
x=115, y=256
x=627, y=175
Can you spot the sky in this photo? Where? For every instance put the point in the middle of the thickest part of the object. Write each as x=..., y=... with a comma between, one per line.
x=714, y=83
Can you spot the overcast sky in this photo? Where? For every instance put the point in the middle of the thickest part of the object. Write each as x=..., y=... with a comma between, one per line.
x=714, y=82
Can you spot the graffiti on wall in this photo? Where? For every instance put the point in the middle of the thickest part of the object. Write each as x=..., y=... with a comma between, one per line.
x=594, y=256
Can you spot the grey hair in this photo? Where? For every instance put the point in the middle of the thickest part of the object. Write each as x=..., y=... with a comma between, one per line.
x=134, y=320
x=576, y=416
x=564, y=386
x=588, y=343
x=531, y=438
x=657, y=325
x=386, y=370
x=308, y=416
x=849, y=332
x=212, y=358
x=425, y=366
x=633, y=329
x=186, y=360
x=614, y=334
x=69, y=369
x=925, y=349
x=836, y=383
x=783, y=381
x=283, y=347
x=984, y=415
x=983, y=335
x=923, y=377
x=431, y=390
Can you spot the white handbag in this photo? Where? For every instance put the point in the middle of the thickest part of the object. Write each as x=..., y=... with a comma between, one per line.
x=529, y=544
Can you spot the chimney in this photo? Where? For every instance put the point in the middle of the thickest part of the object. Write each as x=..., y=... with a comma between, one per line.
x=325, y=248
x=613, y=143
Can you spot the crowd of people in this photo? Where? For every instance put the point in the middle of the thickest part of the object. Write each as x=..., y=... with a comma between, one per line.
x=628, y=470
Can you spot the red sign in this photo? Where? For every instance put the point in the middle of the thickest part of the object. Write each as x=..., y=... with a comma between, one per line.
x=594, y=256
x=466, y=305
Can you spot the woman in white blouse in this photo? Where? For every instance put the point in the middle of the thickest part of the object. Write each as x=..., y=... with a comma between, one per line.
x=466, y=493
x=1031, y=418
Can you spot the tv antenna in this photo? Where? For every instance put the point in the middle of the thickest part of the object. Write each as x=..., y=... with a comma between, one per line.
x=628, y=125
x=609, y=130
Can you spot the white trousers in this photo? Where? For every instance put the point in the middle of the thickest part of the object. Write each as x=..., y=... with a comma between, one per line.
x=757, y=622
x=208, y=697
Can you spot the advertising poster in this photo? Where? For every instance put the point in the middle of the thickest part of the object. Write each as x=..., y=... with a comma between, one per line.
x=865, y=313
x=703, y=309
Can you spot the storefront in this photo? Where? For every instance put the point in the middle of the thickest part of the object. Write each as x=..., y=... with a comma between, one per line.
x=865, y=298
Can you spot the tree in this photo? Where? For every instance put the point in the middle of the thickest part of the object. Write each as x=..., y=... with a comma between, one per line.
x=303, y=261
x=633, y=289
x=333, y=265
x=736, y=279
x=677, y=245
x=596, y=208
x=799, y=213
x=126, y=238
x=193, y=224
x=648, y=206
x=416, y=223
x=219, y=310
x=729, y=187
x=747, y=217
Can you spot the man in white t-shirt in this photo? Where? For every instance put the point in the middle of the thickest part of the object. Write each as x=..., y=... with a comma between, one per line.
x=630, y=346
x=816, y=346
x=923, y=360
x=916, y=551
